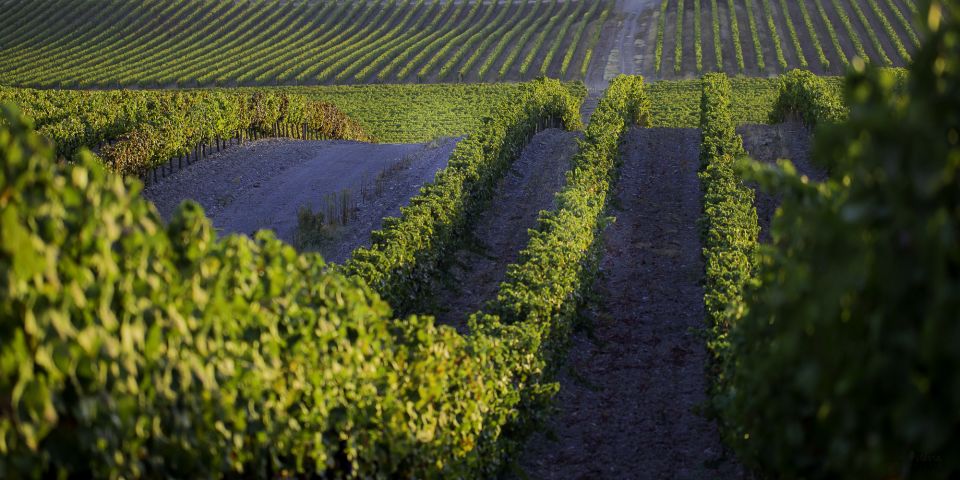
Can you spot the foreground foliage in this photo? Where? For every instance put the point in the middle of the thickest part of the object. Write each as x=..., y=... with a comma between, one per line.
x=132, y=349
x=844, y=362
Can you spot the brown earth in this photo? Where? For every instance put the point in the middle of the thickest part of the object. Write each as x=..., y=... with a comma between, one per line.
x=635, y=375
x=706, y=22
x=751, y=66
x=647, y=36
x=786, y=43
x=500, y=233
x=858, y=27
x=689, y=60
x=769, y=143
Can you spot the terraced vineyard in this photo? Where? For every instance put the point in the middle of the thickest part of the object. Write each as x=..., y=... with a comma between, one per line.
x=102, y=43
x=765, y=37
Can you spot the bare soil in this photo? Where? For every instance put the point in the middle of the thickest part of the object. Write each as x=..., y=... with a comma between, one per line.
x=643, y=26
x=842, y=34
x=786, y=43
x=501, y=232
x=897, y=26
x=769, y=143
x=635, y=377
x=885, y=41
x=263, y=184
x=858, y=27
x=669, y=42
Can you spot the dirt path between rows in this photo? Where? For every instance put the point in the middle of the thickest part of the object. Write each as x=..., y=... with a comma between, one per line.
x=501, y=232
x=634, y=380
x=263, y=184
x=769, y=143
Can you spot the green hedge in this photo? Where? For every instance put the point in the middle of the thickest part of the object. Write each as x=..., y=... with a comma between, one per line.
x=845, y=362
x=76, y=119
x=147, y=128
x=729, y=222
x=405, y=254
x=806, y=96
x=185, y=120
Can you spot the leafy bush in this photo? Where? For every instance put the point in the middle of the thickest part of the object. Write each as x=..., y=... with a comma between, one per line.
x=730, y=225
x=844, y=364
x=807, y=96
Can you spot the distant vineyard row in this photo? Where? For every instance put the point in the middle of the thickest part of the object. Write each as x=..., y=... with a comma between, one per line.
x=769, y=36
x=104, y=43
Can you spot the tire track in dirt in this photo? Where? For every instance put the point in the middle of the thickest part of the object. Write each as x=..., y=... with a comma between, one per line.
x=636, y=375
x=476, y=270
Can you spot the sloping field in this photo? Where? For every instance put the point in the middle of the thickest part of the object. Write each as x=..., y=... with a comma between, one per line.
x=104, y=43
x=203, y=43
x=765, y=37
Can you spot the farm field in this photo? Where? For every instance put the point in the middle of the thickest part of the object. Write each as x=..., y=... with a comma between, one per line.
x=559, y=239
x=184, y=43
x=191, y=43
x=767, y=37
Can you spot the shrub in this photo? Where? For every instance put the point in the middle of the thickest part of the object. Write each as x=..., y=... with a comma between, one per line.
x=730, y=226
x=844, y=362
x=807, y=96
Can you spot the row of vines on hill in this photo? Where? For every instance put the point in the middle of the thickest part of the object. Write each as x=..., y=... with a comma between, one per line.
x=407, y=251
x=200, y=42
x=136, y=131
x=774, y=34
